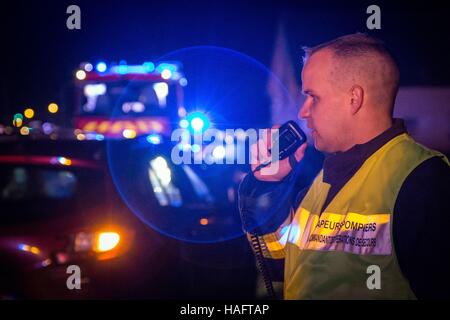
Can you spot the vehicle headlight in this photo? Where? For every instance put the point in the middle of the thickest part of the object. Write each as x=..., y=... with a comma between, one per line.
x=98, y=242
x=106, y=241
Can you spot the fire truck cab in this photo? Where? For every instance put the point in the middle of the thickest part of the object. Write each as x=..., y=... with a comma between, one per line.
x=125, y=101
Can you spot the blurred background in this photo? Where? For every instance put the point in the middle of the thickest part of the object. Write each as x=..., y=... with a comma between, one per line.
x=86, y=117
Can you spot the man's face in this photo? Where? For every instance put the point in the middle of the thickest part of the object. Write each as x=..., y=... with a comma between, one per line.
x=323, y=108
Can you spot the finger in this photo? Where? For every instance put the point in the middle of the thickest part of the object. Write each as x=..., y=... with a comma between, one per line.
x=254, y=155
x=265, y=138
x=300, y=152
x=269, y=137
x=263, y=152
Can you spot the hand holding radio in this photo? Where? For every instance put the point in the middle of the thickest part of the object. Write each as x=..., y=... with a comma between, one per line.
x=291, y=146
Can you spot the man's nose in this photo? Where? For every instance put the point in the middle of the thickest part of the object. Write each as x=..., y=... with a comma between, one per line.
x=304, y=110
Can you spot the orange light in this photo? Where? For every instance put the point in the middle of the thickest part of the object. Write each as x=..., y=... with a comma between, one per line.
x=156, y=126
x=106, y=241
x=28, y=113
x=90, y=126
x=24, y=131
x=35, y=250
x=53, y=108
x=28, y=248
x=103, y=126
x=17, y=122
x=204, y=221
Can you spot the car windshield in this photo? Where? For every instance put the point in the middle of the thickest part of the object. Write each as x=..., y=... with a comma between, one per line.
x=124, y=97
x=26, y=189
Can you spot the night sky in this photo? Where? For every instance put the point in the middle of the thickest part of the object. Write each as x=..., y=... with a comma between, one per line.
x=39, y=54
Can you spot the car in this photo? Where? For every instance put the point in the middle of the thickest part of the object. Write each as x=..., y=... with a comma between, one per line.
x=61, y=206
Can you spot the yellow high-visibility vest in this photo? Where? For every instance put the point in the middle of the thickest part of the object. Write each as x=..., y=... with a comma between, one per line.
x=346, y=250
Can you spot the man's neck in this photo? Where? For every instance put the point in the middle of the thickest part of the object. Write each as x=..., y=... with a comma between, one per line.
x=367, y=133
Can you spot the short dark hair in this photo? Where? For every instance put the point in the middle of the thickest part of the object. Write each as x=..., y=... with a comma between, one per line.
x=348, y=45
x=360, y=45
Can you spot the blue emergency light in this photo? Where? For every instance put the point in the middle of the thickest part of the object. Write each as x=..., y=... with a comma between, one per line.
x=100, y=67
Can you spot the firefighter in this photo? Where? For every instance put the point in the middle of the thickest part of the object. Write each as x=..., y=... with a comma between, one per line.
x=373, y=223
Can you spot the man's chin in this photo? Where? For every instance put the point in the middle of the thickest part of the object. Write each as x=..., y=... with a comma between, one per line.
x=320, y=146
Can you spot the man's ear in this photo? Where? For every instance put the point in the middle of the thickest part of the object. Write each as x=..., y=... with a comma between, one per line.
x=356, y=98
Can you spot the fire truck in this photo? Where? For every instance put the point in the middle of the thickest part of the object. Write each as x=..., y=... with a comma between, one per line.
x=122, y=101
x=126, y=101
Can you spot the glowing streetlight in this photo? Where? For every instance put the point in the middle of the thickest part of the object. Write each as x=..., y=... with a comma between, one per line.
x=53, y=108
x=80, y=74
x=29, y=113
